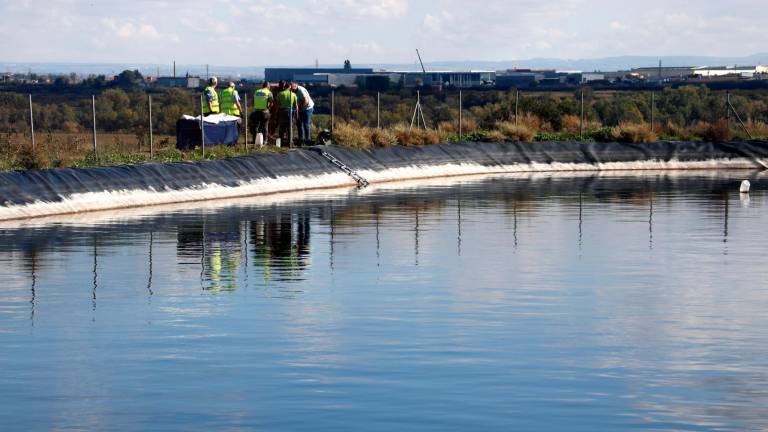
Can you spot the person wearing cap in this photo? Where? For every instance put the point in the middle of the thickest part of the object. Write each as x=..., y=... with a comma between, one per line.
x=287, y=104
x=211, y=105
x=230, y=101
x=306, y=109
x=262, y=104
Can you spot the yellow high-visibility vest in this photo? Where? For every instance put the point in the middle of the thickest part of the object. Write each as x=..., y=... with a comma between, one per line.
x=228, y=105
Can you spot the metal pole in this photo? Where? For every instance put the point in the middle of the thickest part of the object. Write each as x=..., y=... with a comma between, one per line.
x=728, y=109
x=378, y=110
x=151, y=135
x=202, y=126
x=461, y=108
x=31, y=122
x=653, y=112
x=245, y=107
x=418, y=108
x=581, y=122
x=517, y=103
x=290, y=128
x=333, y=114
x=93, y=109
x=738, y=117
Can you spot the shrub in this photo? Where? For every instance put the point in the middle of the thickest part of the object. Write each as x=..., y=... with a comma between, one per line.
x=570, y=123
x=495, y=136
x=29, y=158
x=352, y=135
x=408, y=136
x=383, y=137
x=636, y=133
x=513, y=132
x=604, y=134
x=719, y=131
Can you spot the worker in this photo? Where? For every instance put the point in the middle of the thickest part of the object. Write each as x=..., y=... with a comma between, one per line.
x=230, y=101
x=262, y=104
x=287, y=103
x=306, y=109
x=211, y=105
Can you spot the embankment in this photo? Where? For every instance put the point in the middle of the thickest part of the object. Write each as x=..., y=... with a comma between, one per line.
x=60, y=191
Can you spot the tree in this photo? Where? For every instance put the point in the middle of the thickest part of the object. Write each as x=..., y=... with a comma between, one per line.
x=347, y=65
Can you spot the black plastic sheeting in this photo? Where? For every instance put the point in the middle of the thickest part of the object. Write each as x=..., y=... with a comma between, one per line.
x=18, y=188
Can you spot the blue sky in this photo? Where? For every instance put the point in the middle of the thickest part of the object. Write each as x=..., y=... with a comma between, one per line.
x=271, y=32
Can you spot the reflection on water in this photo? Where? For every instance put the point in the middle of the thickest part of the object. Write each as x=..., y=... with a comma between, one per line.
x=596, y=302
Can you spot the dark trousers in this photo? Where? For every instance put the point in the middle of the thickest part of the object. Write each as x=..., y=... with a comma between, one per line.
x=285, y=131
x=259, y=123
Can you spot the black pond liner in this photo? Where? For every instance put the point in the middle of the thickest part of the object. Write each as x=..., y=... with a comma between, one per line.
x=23, y=188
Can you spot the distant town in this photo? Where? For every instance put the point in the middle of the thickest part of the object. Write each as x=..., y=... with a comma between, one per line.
x=381, y=79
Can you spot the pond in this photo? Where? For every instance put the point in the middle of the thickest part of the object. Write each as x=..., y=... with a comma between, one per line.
x=577, y=302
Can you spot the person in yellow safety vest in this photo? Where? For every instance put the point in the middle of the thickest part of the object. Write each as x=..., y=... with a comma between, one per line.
x=211, y=105
x=263, y=100
x=230, y=101
x=288, y=105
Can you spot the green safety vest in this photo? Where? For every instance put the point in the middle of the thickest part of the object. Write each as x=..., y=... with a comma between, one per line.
x=261, y=99
x=228, y=105
x=214, y=101
x=286, y=99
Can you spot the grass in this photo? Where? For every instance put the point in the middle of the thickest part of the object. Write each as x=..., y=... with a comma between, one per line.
x=61, y=150
x=55, y=150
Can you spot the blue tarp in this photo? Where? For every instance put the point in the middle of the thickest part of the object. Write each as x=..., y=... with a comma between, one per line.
x=188, y=133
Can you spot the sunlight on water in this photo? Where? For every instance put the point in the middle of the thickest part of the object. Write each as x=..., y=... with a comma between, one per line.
x=523, y=302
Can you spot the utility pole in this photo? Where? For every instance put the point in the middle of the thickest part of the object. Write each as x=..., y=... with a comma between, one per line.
x=151, y=136
x=202, y=126
x=581, y=121
x=31, y=122
x=245, y=108
x=93, y=109
x=461, y=108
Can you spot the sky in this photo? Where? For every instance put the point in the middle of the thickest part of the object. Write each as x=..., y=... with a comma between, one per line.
x=297, y=32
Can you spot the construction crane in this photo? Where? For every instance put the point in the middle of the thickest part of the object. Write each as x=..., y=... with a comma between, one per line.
x=423, y=69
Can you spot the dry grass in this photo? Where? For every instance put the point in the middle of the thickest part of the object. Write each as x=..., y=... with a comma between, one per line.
x=513, y=132
x=468, y=125
x=413, y=136
x=636, y=133
x=383, y=137
x=533, y=122
x=352, y=135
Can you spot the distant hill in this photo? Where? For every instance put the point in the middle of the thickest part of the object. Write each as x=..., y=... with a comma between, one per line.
x=597, y=64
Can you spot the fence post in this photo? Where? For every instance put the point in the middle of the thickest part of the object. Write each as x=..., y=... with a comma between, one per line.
x=581, y=121
x=333, y=95
x=461, y=108
x=728, y=108
x=653, y=112
x=31, y=122
x=151, y=134
x=202, y=126
x=245, y=108
x=378, y=110
x=93, y=109
x=517, y=103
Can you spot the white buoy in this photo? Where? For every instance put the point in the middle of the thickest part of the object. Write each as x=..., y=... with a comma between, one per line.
x=745, y=187
x=260, y=139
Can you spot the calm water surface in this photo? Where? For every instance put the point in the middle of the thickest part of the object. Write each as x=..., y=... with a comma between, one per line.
x=521, y=303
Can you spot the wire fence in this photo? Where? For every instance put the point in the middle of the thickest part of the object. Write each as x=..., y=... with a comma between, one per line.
x=111, y=124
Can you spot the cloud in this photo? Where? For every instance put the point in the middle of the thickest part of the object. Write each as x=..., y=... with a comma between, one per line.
x=128, y=30
x=362, y=8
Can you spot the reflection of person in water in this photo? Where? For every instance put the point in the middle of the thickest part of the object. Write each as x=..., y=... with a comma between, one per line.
x=282, y=244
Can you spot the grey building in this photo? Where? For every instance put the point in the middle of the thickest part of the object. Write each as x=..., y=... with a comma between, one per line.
x=182, y=82
x=295, y=74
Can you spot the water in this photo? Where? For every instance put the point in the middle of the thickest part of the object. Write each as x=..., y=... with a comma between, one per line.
x=595, y=302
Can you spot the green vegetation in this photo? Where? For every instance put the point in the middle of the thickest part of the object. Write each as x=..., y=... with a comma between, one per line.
x=63, y=120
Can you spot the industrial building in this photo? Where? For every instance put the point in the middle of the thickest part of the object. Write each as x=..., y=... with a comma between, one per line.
x=307, y=74
x=180, y=82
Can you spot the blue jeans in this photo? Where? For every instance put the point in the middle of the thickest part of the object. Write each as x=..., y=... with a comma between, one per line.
x=305, y=124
